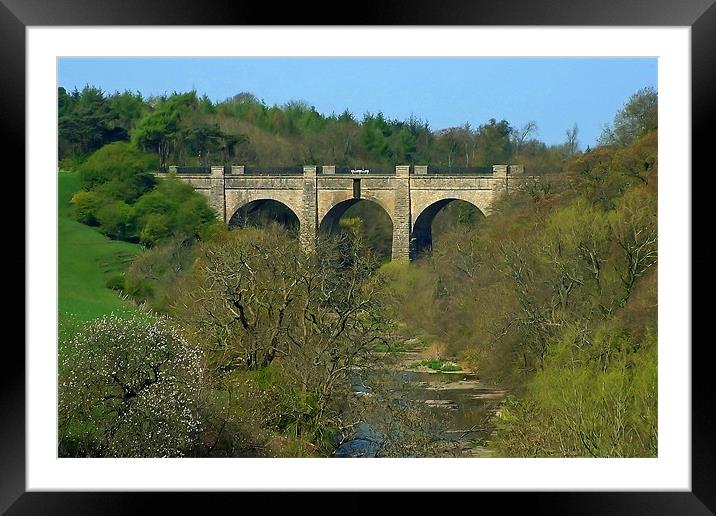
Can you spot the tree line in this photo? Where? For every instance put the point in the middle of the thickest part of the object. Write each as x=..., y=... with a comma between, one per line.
x=188, y=129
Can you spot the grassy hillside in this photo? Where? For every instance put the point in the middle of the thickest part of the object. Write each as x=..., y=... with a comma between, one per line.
x=86, y=259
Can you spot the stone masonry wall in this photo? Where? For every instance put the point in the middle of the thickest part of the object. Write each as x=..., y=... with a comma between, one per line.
x=217, y=197
x=309, y=218
x=401, y=219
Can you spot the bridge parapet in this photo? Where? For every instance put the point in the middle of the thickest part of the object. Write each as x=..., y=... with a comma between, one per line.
x=299, y=170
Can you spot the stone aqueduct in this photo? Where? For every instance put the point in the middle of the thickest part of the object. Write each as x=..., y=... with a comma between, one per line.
x=411, y=196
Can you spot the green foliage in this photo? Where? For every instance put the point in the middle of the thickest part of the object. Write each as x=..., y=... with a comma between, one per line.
x=598, y=400
x=437, y=365
x=118, y=170
x=634, y=226
x=157, y=130
x=185, y=129
x=638, y=161
x=121, y=194
x=129, y=108
x=605, y=173
x=206, y=105
x=350, y=223
x=392, y=141
x=293, y=324
x=87, y=120
x=71, y=162
x=466, y=213
x=85, y=206
x=410, y=290
x=116, y=220
x=175, y=129
x=153, y=276
x=639, y=116
x=123, y=198
x=494, y=143
x=171, y=209
x=201, y=139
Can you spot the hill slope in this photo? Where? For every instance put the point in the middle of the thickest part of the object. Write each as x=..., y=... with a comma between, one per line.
x=86, y=260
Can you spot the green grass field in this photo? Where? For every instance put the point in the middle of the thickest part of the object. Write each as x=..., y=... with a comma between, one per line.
x=86, y=259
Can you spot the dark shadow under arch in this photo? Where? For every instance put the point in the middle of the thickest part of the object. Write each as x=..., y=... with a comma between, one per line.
x=376, y=225
x=264, y=212
x=421, y=241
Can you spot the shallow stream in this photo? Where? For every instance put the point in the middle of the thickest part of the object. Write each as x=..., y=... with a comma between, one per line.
x=462, y=405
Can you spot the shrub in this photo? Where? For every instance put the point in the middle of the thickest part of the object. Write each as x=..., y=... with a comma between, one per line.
x=115, y=281
x=154, y=227
x=153, y=276
x=139, y=288
x=73, y=162
x=122, y=170
x=172, y=208
x=85, y=206
x=116, y=219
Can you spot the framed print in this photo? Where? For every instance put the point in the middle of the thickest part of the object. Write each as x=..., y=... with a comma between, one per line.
x=232, y=152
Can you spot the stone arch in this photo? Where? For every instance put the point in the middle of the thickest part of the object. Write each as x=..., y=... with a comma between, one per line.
x=422, y=233
x=339, y=202
x=252, y=205
x=329, y=222
x=236, y=199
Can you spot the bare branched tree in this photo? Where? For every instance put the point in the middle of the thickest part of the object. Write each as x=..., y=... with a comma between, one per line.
x=523, y=133
x=258, y=301
x=571, y=144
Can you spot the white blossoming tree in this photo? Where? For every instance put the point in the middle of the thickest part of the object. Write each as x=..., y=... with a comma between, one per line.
x=128, y=388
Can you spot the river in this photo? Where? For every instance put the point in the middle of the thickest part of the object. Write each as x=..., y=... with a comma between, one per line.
x=448, y=413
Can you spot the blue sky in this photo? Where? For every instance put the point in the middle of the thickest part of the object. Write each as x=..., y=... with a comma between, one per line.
x=554, y=92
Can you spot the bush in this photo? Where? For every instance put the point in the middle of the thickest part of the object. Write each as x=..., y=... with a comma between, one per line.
x=123, y=198
x=115, y=281
x=153, y=276
x=139, y=288
x=73, y=162
x=128, y=388
x=155, y=227
x=194, y=212
x=172, y=208
x=85, y=206
x=122, y=170
x=116, y=219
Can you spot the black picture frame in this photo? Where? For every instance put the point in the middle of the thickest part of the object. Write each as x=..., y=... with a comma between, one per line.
x=700, y=15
